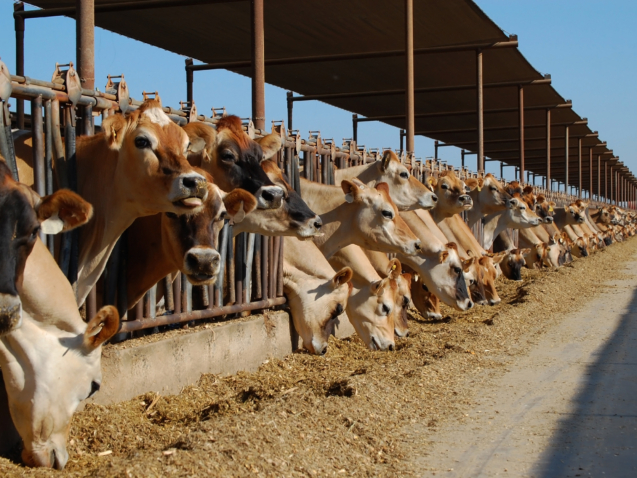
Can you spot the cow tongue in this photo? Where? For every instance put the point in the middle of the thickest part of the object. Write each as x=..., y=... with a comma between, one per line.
x=192, y=202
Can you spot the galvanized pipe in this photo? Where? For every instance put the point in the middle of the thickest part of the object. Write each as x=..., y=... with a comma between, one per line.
x=521, y=127
x=37, y=136
x=410, y=124
x=257, y=64
x=18, y=7
x=132, y=325
x=566, y=158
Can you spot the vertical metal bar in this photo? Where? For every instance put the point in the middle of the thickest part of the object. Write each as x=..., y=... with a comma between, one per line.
x=177, y=293
x=249, y=260
x=221, y=278
x=355, y=127
x=240, y=266
x=549, y=183
x=279, y=273
x=289, y=97
x=579, y=168
x=186, y=300
x=480, y=110
x=265, y=265
x=189, y=80
x=606, y=181
x=590, y=172
x=258, y=64
x=521, y=129
x=19, y=58
x=410, y=122
x=232, y=298
x=48, y=162
x=599, y=178
x=402, y=140
x=169, y=296
x=139, y=309
x=566, y=159
x=257, y=269
x=85, y=42
x=271, y=279
x=37, y=132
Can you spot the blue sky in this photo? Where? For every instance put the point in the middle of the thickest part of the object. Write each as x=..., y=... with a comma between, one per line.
x=588, y=46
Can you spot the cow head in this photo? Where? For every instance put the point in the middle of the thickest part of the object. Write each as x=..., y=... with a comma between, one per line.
x=293, y=218
x=474, y=276
x=24, y=215
x=234, y=159
x=519, y=216
x=544, y=209
x=403, y=296
x=195, y=237
x=425, y=302
x=316, y=305
x=376, y=217
x=512, y=263
x=152, y=164
x=489, y=263
x=451, y=192
x=405, y=190
x=489, y=193
x=47, y=373
x=574, y=215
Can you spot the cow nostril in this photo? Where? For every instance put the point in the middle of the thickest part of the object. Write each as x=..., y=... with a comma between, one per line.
x=405, y=301
x=318, y=224
x=189, y=182
x=324, y=351
x=192, y=261
x=391, y=347
x=417, y=245
x=434, y=198
x=267, y=195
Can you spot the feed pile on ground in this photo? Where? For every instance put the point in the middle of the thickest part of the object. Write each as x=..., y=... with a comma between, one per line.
x=351, y=413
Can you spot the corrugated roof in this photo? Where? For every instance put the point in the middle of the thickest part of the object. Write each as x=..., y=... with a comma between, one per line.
x=221, y=32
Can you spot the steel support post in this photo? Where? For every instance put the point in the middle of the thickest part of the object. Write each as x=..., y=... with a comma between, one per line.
x=436, y=143
x=19, y=58
x=590, y=173
x=606, y=181
x=289, y=97
x=566, y=151
x=549, y=183
x=85, y=42
x=579, y=168
x=258, y=64
x=480, y=109
x=521, y=128
x=410, y=124
x=189, y=80
x=599, y=177
x=355, y=127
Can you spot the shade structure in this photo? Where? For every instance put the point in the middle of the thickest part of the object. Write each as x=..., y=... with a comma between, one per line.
x=219, y=32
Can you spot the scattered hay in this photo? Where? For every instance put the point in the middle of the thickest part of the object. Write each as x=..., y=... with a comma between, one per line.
x=351, y=412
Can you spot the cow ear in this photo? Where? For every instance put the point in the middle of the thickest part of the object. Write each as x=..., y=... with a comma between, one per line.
x=384, y=163
x=378, y=287
x=443, y=256
x=114, y=128
x=466, y=263
x=394, y=269
x=351, y=190
x=382, y=187
x=342, y=277
x=270, y=144
x=497, y=258
x=101, y=328
x=62, y=211
x=471, y=183
x=524, y=252
x=238, y=203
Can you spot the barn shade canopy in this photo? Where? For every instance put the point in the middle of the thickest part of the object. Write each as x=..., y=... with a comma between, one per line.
x=219, y=32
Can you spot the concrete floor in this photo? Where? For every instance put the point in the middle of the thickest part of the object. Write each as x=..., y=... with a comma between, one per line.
x=567, y=409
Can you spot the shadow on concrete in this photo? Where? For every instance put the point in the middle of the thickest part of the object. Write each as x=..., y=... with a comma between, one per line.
x=600, y=437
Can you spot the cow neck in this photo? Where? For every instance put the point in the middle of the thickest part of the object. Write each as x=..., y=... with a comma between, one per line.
x=541, y=233
x=431, y=243
x=306, y=257
x=494, y=224
x=559, y=219
x=528, y=237
x=438, y=213
x=366, y=173
x=150, y=259
x=329, y=203
x=101, y=183
x=354, y=257
x=47, y=294
x=479, y=209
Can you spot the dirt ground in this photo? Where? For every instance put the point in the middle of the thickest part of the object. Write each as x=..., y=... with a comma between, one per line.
x=345, y=414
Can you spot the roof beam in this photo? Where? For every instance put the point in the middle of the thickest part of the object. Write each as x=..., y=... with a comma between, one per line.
x=461, y=113
x=499, y=128
x=116, y=7
x=512, y=43
x=432, y=89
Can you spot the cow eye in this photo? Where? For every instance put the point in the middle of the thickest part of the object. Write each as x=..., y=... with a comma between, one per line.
x=457, y=270
x=171, y=215
x=227, y=156
x=472, y=282
x=522, y=208
x=141, y=142
x=493, y=188
x=386, y=309
x=404, y=175
x=388, y=214
x=444, y=186
x=35, y=232
x=95, y=386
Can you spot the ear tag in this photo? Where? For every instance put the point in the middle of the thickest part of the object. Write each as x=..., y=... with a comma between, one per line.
x=479, y=189
x=550, y=208
x=393, y=267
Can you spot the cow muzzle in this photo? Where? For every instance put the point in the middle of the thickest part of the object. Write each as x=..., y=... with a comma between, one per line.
x=189, y=191
x=310, y=227
x=201, y=265
x=10, y=313
x=428, y=201
x=47, y=457
x=548, y=220
x=269, y=197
